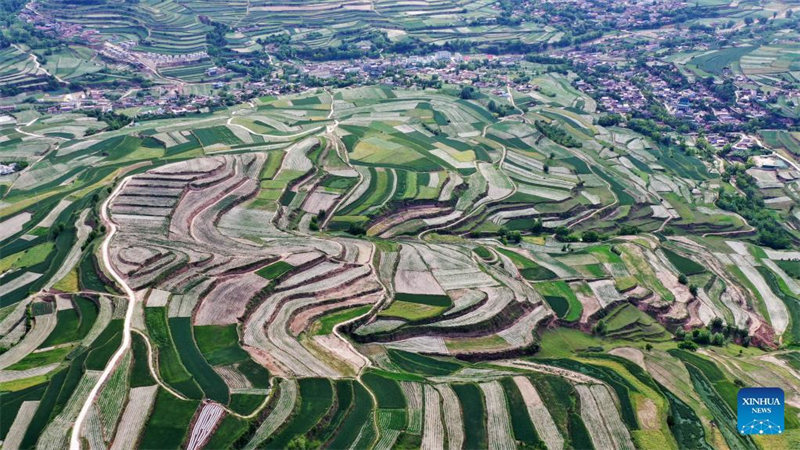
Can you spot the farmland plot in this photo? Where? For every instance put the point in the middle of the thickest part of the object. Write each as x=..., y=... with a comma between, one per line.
x=23, y=418
x=204, y=425
x=539, y=414
x=56, y=434
x=111, y=399
x=131, y=424
x=433, y=430
x=453, y=420
x=415, y=398
x=776, y=309
x=499, y=424
x=599, y=413
x=287, y=397
x=43, y=325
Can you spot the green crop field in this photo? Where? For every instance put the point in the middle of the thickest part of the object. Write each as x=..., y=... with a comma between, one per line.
x=169, y=362
x=169, y=421
x=209, y=381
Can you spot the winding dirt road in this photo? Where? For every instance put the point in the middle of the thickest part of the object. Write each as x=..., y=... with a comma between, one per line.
x=75, y=441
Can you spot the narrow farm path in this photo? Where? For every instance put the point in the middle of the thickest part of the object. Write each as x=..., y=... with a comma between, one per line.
x=38, y=65
x=285, y=137
x=154, y=373
x=608, y=185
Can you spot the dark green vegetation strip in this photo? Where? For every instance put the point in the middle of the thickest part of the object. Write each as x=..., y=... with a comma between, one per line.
x=559, y=304
x=520, y=419
x=10, y=403
x=408, y=441
x=344, y=402
x=483, y=252
x=471, y=400
x=140, y=370
x=87, y=274
x=255, y=373
x=716, y=61
x=42, y=415
x=245, y=404
x=617, y=188
x=216, y=135
x=73, y=324
x=169, y=422
x=55, y=398
x=727, y=390
x=685, y=265
x=316, y=397
x=359, y=414
x=212, y=384
x=791, y=267
x=327, y=322
x=274, y=270
x=228, y=431
x=219, y=344
x=425, y=299
x=169, y=364
x=40, y=359
x=387, y=391
x=686, y=427
x=415, y=363
x=105, y=345
x=793, y=358
x=527, y=268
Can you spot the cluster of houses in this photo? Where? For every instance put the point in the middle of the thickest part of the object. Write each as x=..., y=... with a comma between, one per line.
x=621, y=86
x=619, y=14
x=171, y=60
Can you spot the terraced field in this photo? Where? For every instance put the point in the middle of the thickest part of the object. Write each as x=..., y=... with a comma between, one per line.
x=376, y=267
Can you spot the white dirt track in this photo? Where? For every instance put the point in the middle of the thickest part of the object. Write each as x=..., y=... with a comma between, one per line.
x=75, y=442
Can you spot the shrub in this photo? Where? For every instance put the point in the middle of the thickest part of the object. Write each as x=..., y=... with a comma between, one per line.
x=687, y=345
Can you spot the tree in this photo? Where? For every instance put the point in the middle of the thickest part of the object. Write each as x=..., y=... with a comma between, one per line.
x=680, y=334
x=627, y=230
x=701, y=336
x=682, y=279
x=716, y=324
x=467, y=93
x=600, y=328
x=693, y=290
x=590, y=236
x=357, y=229
x=609, y=120
x=717, y=339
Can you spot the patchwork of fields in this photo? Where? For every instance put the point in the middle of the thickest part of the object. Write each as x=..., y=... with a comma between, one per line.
x=376, y=268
